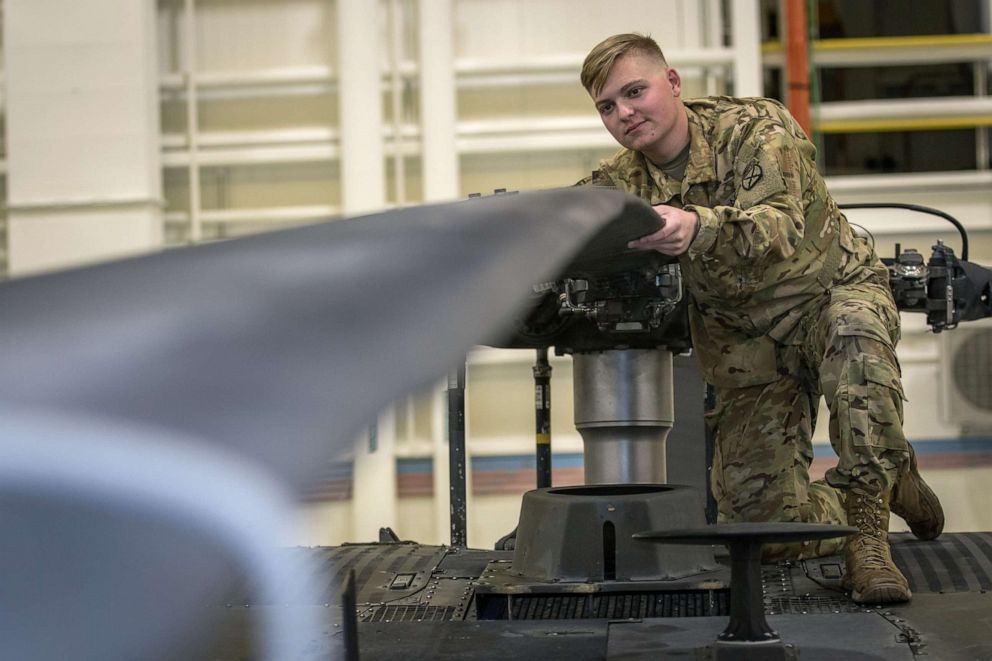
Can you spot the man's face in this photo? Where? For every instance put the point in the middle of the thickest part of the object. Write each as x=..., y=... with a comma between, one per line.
x=640, y=106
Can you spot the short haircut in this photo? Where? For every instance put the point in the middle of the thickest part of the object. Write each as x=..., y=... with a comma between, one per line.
x=600, y=60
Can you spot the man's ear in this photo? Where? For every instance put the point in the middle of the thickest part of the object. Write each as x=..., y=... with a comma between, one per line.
x=675, y=80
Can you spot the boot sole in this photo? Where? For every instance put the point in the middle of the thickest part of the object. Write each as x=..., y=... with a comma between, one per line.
x=924, y=529
x=930, y=527
x=887, y=593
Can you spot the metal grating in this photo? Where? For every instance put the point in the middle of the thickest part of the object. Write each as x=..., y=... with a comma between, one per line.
x=617, y=606
x=810, y=605
x=407, y=613
x=955, y=562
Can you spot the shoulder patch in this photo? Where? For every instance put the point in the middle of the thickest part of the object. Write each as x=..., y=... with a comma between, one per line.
x=758, y=175
x=752, y=175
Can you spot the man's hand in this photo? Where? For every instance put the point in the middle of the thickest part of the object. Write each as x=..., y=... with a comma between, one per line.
x=678, y=229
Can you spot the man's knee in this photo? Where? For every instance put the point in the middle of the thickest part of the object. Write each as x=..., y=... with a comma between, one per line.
x=867, y=407
x=754, y=496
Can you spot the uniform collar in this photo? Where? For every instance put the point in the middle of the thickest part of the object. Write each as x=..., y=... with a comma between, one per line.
x=700, y=167
x=698, y=170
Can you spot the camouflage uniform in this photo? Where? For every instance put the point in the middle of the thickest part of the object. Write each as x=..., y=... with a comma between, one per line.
x=786, y=304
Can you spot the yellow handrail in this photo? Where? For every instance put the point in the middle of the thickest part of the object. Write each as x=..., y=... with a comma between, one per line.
x=896, y=124
x=865, y=43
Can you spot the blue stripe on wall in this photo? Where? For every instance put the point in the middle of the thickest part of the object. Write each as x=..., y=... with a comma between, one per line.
x=524, y=462
x=418, y=465
x=928, y=446
x=335, y=483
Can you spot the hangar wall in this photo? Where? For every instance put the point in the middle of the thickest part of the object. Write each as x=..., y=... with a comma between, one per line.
x=82, y=176
x=267, y=113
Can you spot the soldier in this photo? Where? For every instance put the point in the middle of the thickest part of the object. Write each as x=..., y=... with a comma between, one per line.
x=786, y=304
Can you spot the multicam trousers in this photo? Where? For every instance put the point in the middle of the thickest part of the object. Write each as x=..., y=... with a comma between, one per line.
x=763, y=446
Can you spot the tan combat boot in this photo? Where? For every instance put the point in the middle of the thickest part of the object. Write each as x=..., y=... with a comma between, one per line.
x=870, y=574
x=916, y=502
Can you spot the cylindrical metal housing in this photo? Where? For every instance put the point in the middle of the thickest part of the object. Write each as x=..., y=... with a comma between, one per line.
x=624, y=409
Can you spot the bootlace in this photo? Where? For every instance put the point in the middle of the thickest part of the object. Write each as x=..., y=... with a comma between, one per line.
x=871, y=553
x=868, y=518
x=871, y=542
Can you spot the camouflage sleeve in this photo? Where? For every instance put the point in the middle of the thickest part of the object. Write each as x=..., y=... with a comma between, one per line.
x=597, y=178
x=766, y=222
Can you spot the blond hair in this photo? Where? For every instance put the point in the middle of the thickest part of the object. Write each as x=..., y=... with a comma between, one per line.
x=600, y=60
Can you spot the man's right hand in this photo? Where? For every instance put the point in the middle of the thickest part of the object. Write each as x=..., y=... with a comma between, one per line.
x=678, y=229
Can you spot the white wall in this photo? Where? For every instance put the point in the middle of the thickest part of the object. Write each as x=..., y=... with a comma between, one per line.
x=83, y=173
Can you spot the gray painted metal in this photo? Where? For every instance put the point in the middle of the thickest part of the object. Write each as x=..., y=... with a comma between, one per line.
x=820, y=620
x=582, y=534
x=860, y=637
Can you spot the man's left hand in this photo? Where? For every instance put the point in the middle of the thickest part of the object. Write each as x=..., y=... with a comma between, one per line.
x=677, y=231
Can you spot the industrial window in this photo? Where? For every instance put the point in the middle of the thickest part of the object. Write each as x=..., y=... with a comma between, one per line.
x=894, y=91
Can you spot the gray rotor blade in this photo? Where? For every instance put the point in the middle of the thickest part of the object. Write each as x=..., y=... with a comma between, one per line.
x=284, y=345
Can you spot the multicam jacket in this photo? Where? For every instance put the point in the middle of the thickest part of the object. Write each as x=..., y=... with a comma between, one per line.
x=771, y=240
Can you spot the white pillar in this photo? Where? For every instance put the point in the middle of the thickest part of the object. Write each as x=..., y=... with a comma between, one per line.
x=438, y=117
x=439, y=158
x=745, y=23
x=363, y=174
x=363, y=185
x=373, y=503
x=84, y=178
